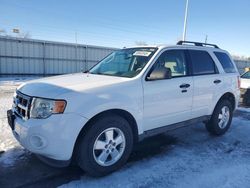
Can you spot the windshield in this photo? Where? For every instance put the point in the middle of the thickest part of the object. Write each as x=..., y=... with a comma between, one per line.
x=124, y=63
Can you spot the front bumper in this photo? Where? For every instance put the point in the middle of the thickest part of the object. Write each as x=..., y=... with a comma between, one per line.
x=52, y=138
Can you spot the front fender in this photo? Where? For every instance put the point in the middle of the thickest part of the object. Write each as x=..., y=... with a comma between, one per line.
x=89, y=104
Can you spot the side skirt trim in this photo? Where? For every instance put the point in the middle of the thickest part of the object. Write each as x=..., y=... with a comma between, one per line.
x=174, y=126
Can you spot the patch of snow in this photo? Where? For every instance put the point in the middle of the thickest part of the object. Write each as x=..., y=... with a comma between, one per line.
x=9, y=84
x=8, y=143
x=10, y=150
x=195, y=160
x=15, y=81
x=244, y=109
x=200, y=160
x=12, y=155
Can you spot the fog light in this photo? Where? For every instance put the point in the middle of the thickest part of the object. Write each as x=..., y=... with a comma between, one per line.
x=37, y=142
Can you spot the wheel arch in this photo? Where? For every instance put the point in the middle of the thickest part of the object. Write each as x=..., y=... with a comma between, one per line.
x=228, y=96
x=123, y=113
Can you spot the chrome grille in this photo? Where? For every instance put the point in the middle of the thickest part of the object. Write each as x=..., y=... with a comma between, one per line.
x=21, y=105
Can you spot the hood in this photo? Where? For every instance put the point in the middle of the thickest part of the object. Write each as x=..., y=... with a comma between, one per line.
x=51, y=87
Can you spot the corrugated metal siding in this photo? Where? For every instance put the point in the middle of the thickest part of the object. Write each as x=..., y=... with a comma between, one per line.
x=38, y=57
x=28, y=56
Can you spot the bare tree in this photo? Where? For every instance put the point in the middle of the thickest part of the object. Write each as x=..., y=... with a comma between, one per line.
x=241, y=57
x=140, y=43
x=2, y=32
x=17, y=33
x=25, y=35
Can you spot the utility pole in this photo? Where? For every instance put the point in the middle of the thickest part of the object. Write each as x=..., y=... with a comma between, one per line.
x=185, y=21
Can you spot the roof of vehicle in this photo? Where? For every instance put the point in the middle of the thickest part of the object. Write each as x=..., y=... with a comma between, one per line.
x=186, y=45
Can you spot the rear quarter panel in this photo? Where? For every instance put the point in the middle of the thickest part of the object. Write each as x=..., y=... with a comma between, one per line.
x=230, y=81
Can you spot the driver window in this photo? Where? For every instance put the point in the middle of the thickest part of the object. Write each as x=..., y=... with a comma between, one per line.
x=175, y=60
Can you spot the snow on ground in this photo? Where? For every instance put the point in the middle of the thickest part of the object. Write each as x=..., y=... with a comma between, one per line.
x=244, y=109
x=10, y=150
x=199, y=160
x=15, y=81
x=196, y=159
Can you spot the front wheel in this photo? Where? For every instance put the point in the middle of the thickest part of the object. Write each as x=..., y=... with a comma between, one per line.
x=221, y=118
x=106, y=146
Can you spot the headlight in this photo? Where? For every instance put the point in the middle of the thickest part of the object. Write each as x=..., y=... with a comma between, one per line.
x=43, y=108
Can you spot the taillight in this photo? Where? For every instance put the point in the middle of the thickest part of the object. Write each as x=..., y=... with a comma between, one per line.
x=238, y=81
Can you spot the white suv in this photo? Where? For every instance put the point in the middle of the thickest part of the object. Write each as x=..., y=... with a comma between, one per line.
x=95, y=118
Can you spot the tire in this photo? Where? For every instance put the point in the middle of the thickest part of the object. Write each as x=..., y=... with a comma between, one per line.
x=221, y=118
x=97, y=144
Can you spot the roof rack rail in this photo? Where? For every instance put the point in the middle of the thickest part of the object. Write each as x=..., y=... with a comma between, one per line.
x=196, y=43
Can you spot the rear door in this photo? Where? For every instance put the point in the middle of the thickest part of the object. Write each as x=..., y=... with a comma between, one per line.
x=207, y=82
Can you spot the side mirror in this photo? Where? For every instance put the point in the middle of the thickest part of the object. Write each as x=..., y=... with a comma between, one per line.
x=160, y=73
x=84, y=71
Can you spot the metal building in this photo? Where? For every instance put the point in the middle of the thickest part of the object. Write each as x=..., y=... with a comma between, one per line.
x=38, y=57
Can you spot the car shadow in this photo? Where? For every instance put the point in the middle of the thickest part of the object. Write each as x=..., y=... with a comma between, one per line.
x=152, y=146
x=33, y=173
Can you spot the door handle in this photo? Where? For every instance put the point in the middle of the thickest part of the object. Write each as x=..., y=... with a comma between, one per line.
x=217, y=81
x=184, y=91
x=184, y=86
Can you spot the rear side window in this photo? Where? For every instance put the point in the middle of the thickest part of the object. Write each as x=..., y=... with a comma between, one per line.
x=202, y=62
x=226, y=62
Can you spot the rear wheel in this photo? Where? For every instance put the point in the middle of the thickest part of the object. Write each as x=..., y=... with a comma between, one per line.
x=106, y=146
x=221, y=118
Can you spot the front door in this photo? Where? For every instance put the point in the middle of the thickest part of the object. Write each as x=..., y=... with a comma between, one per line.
x=168, y=101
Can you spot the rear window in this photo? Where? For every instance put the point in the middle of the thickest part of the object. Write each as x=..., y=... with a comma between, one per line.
x=202, y=62
x=226, y=62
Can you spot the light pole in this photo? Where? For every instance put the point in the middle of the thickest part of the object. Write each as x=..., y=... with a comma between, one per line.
x=185, y=22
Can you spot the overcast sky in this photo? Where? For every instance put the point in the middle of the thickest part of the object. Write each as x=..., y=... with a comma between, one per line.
x=120, y=23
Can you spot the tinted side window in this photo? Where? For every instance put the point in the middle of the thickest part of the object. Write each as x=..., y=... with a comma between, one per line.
x=226, y=62
x=202, y=62
x=175, y=60
x=246, y=75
